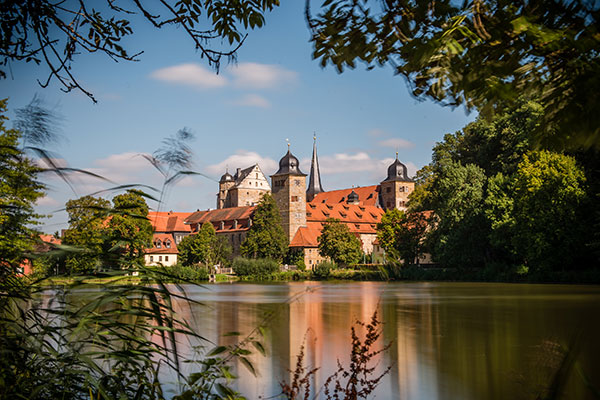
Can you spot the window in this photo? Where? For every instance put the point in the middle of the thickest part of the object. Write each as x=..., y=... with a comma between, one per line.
x=158, y=244
x=401, y=188
x=168, y=244
x=235, y=224
x=159, y=258
x=222, y=225
x=388, y=189
x=166, y=258
x=294, y=198
x=257, y=175
x=151, y=258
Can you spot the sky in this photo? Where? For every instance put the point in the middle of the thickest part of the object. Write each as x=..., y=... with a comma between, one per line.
x=243, y=115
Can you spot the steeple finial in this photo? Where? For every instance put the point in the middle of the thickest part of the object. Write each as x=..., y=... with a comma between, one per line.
x=314, y=182
x=288, y=143
x=396, y=154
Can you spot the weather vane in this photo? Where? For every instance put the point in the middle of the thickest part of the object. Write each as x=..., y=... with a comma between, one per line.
x=288, y=143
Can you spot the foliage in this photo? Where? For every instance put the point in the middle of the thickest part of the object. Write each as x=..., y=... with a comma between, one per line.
x=49, y=33
x=186, y=273
x=482, y=54
x=402, y=235
x=104, y=344
x=265, y=238
x=460, y=223
x=19, y=190
x=254, y=267
x=295, y=256
x=323, y=269
x=87, y=230
x=338, y=243
x=549, y=230
x=130, y=230
x=204, y=247
x=356, y=381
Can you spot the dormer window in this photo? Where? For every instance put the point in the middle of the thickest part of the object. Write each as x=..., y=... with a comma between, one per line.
x=168, y=244
x=222, y=225
x=235, y=224
x=158, y=244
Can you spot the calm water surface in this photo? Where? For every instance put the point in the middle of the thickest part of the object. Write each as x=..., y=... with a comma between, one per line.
x=449, y=340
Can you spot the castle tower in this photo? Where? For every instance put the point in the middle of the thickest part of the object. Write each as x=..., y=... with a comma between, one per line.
x=314, y=181
x=225, y=183
x=288, y=187
x=396, y=187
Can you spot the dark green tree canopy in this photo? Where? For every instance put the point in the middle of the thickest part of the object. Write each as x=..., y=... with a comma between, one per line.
x=338, y=243
x=88, y=217
x=266, y=238
x=483, y=54
x=130, y=229
x=204, y=247
x=402, y=235
x=53, y=33
x=19, y=190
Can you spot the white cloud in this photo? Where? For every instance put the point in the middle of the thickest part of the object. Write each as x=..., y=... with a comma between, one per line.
x=47, y=201
x=261, y=76
x=252, y=100
x=396, y=143
x=190, y=75
x=376, y=133
x=243, y=159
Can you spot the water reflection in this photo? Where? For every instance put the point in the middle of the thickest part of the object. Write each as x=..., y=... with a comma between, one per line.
x=449, y=340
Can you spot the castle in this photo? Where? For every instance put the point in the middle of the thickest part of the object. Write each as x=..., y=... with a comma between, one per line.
x=303, y=208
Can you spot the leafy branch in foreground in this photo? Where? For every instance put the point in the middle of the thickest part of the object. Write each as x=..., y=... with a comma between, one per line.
x=483, y=54
x=53, y=33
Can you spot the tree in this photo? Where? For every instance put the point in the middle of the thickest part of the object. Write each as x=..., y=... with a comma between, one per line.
x=130, y=230
x=549, y=230
x=338, y=243
x=52, y=34
x=204, y=247
x=19, y=190
x=87, y=230
x=483, y=54
x=265, y=238
x=402, y=235
x=460, y=236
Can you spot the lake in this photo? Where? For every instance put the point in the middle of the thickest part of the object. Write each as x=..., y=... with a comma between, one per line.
x=447, y=340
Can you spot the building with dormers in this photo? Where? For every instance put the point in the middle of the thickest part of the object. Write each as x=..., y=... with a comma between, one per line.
x=245, y=188
x=304, y=207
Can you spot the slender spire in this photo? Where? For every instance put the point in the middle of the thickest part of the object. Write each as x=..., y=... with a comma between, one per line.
x=314, y=183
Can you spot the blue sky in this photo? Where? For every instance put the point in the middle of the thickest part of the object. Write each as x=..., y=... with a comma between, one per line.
x=239, y=117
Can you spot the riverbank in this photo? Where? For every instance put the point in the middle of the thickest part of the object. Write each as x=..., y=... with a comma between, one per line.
x=382, y=273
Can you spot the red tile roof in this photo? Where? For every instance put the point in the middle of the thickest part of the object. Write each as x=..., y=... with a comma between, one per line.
x=360, y=219
x=163, y=237
x=225, y=215
x=50, y=239
x=367, y=195
x=169, y=221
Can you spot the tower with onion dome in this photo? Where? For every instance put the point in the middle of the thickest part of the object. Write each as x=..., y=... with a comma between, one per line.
x=396, y=187
x=288, y=187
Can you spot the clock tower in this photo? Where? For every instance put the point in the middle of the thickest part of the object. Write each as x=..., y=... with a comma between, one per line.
x=288, y=187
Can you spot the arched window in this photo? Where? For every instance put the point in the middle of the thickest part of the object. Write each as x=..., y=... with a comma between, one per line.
x=158, y=244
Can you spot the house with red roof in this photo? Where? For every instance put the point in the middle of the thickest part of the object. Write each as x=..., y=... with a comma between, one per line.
x=304, y=208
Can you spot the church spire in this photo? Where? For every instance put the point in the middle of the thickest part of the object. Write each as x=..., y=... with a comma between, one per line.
x=314, y=183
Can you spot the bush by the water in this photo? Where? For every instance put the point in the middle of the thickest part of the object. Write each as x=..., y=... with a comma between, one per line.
x=257, y=267
x=187, y=273
x=323, y=269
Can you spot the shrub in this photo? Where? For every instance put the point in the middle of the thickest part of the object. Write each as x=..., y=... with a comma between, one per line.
x=323, y=269
x=192, y=273
x=256, y=267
